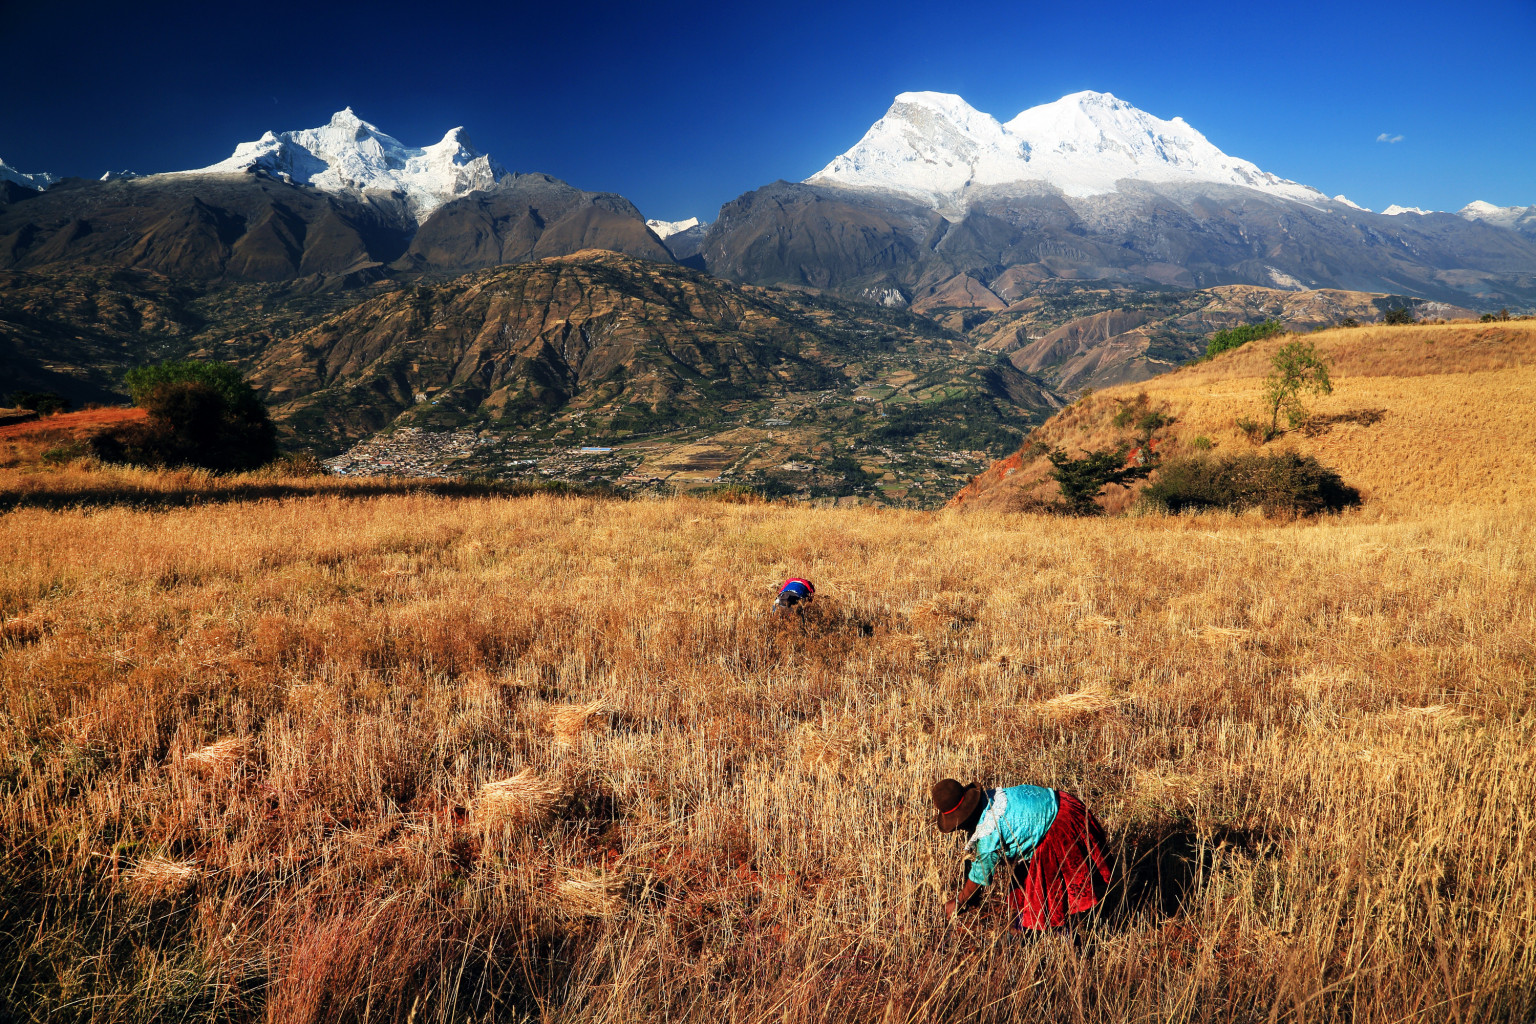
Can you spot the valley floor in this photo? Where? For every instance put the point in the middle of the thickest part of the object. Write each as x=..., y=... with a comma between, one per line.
x=243, y=745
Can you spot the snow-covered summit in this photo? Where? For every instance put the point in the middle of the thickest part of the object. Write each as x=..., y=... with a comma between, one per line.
x=1499, y=216
x=348, y=154
x=120, y=176
x=39, y=181
x=668, y=228
x=1397, y=211
x=937, y=146
x=1346, y=201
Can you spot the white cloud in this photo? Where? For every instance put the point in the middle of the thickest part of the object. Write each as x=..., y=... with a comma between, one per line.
x=1384, y=137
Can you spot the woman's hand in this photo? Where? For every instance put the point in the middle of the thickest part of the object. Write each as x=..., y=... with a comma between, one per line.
x=950, y=906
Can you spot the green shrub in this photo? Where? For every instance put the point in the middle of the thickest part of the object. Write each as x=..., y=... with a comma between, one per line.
x=1279, y=483
x=1252, y=429
x=1139, y=415
x=44, y=403
x=1236, y=337
x=300, y=464
x=73, y=450
x=1399, y=316
x=1201, y=444
x=734, y=494
x=200, y=414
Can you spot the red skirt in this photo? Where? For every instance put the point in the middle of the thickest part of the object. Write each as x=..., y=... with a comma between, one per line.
x=1068, y=872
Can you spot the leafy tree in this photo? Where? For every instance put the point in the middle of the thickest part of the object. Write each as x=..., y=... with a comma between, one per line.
x=44, y=403
x=1236, y=337
x=200, y=414
x=1297, y=367
x=1082, y=480
x=1399, y=316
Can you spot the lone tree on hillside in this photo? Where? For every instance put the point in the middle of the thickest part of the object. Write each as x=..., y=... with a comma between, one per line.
x=200, y=414
x=1297, y=367
x=1082, y=480
x=1399, y=316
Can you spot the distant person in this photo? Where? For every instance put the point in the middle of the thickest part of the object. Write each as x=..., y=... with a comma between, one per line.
x=794, y=595
x=1055, y=850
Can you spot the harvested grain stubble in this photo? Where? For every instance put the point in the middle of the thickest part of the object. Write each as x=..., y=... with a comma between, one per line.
x=434, y=693
x=524, y=799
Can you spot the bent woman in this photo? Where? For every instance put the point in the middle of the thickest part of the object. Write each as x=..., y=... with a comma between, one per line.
x=1056, y=849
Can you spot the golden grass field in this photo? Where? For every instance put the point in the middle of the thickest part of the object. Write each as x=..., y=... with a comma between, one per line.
x=423, y=758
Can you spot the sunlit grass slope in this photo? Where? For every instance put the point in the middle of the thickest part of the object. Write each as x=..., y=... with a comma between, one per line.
x=1455, y=403
x=414, y=758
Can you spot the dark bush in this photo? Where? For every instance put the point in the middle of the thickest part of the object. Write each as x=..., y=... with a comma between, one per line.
x=1280, y=483
x=200, y=414
x=1399, y=316
x=44, y=403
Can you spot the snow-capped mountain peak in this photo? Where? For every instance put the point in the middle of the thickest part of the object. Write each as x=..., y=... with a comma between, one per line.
x=1397, y=211
x=1499, y=216
x=347, y=154
x=668, y=228
x=937, y=146
x=39, y=181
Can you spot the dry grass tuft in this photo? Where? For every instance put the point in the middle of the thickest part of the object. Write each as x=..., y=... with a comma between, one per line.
x=1224, y=634
x=569, y=722
x=524, y=799
x=1435, y=712
x=827, y=748
x=1083, y=702
x=161, y=877
x=218, y=759
x=596, y=896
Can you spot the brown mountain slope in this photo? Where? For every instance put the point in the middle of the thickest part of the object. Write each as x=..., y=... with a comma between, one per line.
x=598, y=339
x=1126, y=336
x=1451, y=400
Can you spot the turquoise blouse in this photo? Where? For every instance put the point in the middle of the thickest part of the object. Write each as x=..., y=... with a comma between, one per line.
x=1013, y=821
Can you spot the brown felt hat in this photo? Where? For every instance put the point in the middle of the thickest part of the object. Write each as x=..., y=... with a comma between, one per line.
x=954, y=802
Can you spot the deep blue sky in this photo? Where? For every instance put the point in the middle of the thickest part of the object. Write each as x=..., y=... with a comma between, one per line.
x=683, y=106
